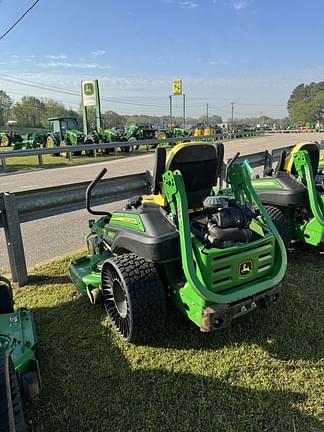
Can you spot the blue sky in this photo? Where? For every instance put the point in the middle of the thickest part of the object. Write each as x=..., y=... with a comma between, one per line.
x=251, y=52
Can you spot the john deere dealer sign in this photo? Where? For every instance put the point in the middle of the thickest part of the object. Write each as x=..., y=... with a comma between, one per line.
x=89, y=92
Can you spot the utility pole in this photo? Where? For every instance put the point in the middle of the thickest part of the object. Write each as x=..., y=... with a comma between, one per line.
x=207, y=113
x=232, y=103
x=170, y=99
x=184, y=111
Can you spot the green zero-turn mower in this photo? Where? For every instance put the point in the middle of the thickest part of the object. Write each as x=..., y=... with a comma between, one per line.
x=293, y=195
x=216, y=255
x=19, y=368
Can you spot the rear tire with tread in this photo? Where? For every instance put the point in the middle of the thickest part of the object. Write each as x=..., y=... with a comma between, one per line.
x=134, y=297
x=282, y=223
x=11, y=410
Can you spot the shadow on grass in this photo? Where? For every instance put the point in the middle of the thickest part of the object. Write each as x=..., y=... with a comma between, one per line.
x=94, y=382
x=48, y=279
x=290, y=329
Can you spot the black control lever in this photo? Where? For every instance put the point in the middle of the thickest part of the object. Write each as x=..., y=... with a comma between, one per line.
x=229, y=166
x=89, y=192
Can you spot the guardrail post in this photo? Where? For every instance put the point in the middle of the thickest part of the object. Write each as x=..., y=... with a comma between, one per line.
x=3, y=164
x=40, y=160
x=14, y=241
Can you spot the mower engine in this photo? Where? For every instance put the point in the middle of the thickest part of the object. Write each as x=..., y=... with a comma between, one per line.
x=319, y=180
x=224, y=222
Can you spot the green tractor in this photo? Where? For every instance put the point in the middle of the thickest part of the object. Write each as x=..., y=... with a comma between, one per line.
x=65, y=131
x=32, y=140
x=19, y=367
x=138, y=132
x=175, y=132
x=293, y=195
x=9, y=138
x=215, y=254
x=113, y=135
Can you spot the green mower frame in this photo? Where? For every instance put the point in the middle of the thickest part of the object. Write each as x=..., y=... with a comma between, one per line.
x=19, y=366
x=147, y=252
x=301, y=215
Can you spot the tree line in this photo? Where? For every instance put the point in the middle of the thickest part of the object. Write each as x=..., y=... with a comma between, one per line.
x=33, y=112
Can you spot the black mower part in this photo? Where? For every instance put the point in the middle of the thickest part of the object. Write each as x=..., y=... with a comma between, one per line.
x=282, y=224
x=11, y=410
x=6, y=302
x=133, y=296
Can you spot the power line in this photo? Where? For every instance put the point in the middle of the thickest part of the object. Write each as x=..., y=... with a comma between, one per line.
x=25, y=82
x=261, y=105
x=18, y=20
x=37, y=85
x=22, y=81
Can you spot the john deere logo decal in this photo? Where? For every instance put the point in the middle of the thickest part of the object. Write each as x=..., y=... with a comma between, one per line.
x=245, y=268
x=88, y=89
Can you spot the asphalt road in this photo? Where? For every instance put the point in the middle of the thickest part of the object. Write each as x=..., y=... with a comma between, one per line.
x=55, y=236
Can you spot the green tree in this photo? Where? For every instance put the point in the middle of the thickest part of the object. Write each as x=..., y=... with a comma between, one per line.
x=113, y=119
x=5, y=105
x=29, y=111
x=306, y=103
x=212, y=120
x=56, y=109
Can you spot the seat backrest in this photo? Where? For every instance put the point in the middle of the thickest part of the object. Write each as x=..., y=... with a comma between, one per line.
x=314, y=154
x=199, y=165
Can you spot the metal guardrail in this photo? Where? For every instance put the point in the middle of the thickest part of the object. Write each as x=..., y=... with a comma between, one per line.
x=16, y=208
x=70, y=150
x=289, y=131
x=256, y=159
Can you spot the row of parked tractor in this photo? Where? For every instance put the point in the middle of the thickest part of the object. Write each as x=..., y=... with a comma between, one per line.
x=66, y=131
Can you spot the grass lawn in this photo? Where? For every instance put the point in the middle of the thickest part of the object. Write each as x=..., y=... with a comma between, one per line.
x=266, y=373
x=31, y=162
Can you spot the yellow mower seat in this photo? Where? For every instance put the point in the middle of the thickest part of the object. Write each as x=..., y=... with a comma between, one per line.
x=200, y=165
x=314, y=154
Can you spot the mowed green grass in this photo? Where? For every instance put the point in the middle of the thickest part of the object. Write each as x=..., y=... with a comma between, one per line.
x=31, y=162
x=265, y=373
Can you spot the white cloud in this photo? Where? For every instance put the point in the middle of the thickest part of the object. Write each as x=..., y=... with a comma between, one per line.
x=98, y=52
x=187, y=4
x=73, y=65
x=220, y=61
x=6, y=62
x=240, y=5
x=56, y=57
